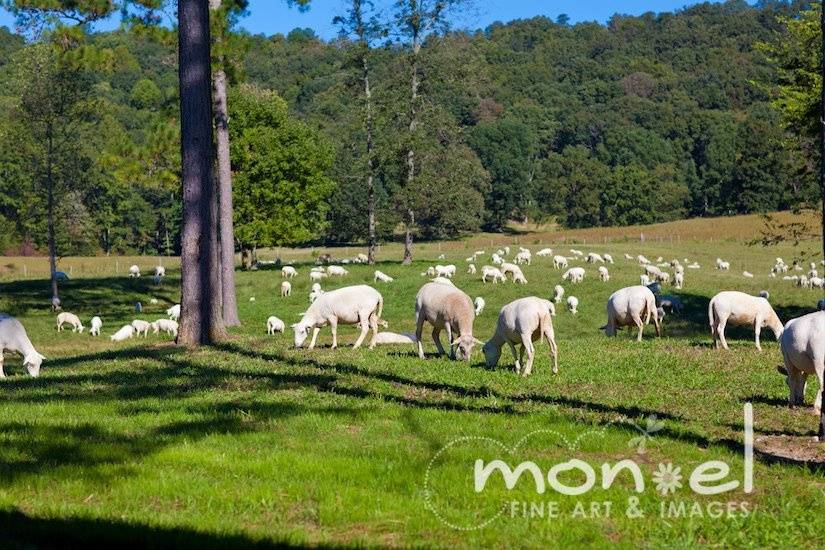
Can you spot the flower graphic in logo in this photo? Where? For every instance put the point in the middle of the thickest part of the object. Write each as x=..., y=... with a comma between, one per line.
x=667, y=478
x=652, y=425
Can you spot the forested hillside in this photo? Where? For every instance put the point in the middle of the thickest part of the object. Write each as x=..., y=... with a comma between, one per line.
x=645, y=119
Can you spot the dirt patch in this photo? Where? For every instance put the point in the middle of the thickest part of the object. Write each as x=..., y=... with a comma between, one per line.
x=791, y=448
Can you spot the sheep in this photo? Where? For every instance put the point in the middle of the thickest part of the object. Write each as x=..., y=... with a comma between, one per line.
x=634, y=305
x=450, y=309
x=134, y=271
x=628, y=256
x=71, y=319
x=652, y=270
x=315, y=276
x=141, y=327
x=544, y=252
x=352, y=305
x=803, y=353
x=593, y=258
x=604, y=275
x=679, y=268
x=577, y=253
x=507, y=250
x=559, y=262
x=97, y=324
x=574, y=275
x=515, y=271
x=480, y=304
x=765, y=294
x=558, y=293
x=663, y=277
x=288, y=272
x=694, y=265
x=524, y=257
x=392, y=338
x=362, y=258
x=273, y=325
x=315, y=292
x=573, y=305
x=381, y=276
x=642, y=260
x=286, y=289
x=722, y=265
x=608, y=258
x=494, y=272
x=13, y=338
x=522, y=321
x=442, y=281
x=747, y=274
x=160, y=271
x=738, y=308
x=471, y=269
x=816, y=282
x=445, y=271
x=336, y=271
x=125, y=332
x=673, y=303
x=679, y=280
x=318, y=269
x=174, y=312
x=644, y=280
x=166, y=325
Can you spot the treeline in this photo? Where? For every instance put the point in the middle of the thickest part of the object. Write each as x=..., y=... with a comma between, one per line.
x=645, y=119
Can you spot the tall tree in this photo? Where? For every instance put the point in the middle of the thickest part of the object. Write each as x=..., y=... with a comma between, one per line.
x=201, y=316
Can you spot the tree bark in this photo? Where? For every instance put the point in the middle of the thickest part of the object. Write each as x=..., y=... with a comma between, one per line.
x=370, y=160
x=414, y=83
x=822, y=161
x=50, y=224
x=201, y=320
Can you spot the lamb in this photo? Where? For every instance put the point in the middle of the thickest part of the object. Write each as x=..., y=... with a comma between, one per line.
x=604, y=275
x=558, y=293
x=522, y=321
x=738, y=308
x=694, y=265
x=515, y=271
x=803, y=353
x=497, y=259
x=134, y=271
x=644, y=280
x=13, y=338
x=817, y=282
x=141, y=327
x=663, y=277
x=574, y=275
x=336, y=271
x=392, y=338
x=573, y=305
x=315, y=292
x=722, y=265
x=471, y=269
x=160, y=271
x=166, y=325
x=559, y=262
x=71, y=319
x=577, y=253
x=445, y=271
x=125, y=332
x=286, y=289
x=634, y=305
x=174, y=312
x=494, y=272
x=315, y=276
x=593, y=258
x=679, y=280
x=608, y=258
x=352, y=305
x=479, y=303
x=381, y=276
x=747, y=274
x=544, y=252
x=273, y=325
x=628, y=256
x=97, y=324
x=642, y=260
x=362, y=258
x=288, y=272
x=442, y=281
x=450, y=309
x=524, y=257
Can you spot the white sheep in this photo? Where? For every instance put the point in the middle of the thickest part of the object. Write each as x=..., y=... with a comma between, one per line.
x=604, y=275
x=167, y=325
x=497, y=259
x=286, y=289
x=315, y=292
x=392, y=338
x=381, y=276
x=446, y=308
x=134, y=271
x=573, y=304
x=480, y=304
x=747, y=274
x=558, y=293
x=445, y=271
x=694, y=265
x=125, y=332
x=315, y=276
x=544, y=252
x=97, y=324
x=494, y=272
x=160, y=271
x=362, y=258
x=471, y=269
x=644, y=280
x=515, y=272
x=574, y=275
x=336, y=271
x=288, y=272
x=577, y=253
x=803, y=352
x=524, y=257
x=559, y=262
x=69, y=319
x=608, y=258
x=737, y=309
x=13, y=338
x=352, y=305
x=633, y=305
x=141, y=327
x=642, y=260
x=523, y=322
x=722, y=265
x=627, y=256
x=174, y=312
x=273, y=325
x=593, y=258
x=679, y=280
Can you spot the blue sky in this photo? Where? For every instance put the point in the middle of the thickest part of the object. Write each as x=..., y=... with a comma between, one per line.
x=274, y=16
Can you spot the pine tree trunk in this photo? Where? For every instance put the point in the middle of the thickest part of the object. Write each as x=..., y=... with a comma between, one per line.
x=370, y=162
x=822, y=163
x=201, y=321
x=50, y=223
x=414, y=83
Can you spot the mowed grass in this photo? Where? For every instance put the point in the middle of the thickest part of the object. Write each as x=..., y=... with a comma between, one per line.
x=254, y=442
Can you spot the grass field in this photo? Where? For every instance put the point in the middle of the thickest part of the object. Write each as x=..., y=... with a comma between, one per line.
x=254, y=442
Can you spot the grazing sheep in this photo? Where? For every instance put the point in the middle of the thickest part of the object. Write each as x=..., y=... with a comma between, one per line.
x=392, y=338
x=134, y=271
x=558, y=293
x=286, y=289
x=352, y=305
x=160, y=271
x=497, y=259
x=141, y=327
x=13, y=338
x=315, y=276
x=336, y=271
x=471, y=269
x=97, y=324
x=494, y=272
x=577, y=253
x=515, y=271
x=573, y=305
x=479, y=303
x=381, y=276
x=442, y=281
x=445, y=271
x=166, y=325
x=737, y=309
x=174, y=312
x=446, y=308
x=523, y=322
x=747, y=274
x=70, y=319
x=663, y=277
x=559, y=262
x=816, y=282
x=608, y=258
x=673, y=303
x=679, y=280
x=544, y=252
x=288, y=272
x=524, y=257
x=574, y=275
x=362, y=258
x=642, y=260
x=125, y=332
x=273, y=325
x=593, y=258
x=604, y=275
x=633, y=305
x=803, y=353
x=628, y=256
x=722, y=265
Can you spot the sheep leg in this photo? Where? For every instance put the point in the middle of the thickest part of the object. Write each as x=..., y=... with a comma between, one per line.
x=527, y=346
x=2, y=374
x=449, y=330
x=720, y=331
x=639, y=323
x=819, y=368
x=315, y=332
x=374, y=328
x=796, y=384
x=554, y=352
x=365, y=327
x=437, y=340
x=515, y=357
x=419, y=328
x=757, y=329
x=333, y=325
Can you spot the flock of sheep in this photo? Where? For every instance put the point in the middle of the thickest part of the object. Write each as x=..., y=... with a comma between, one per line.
x=521, y=323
